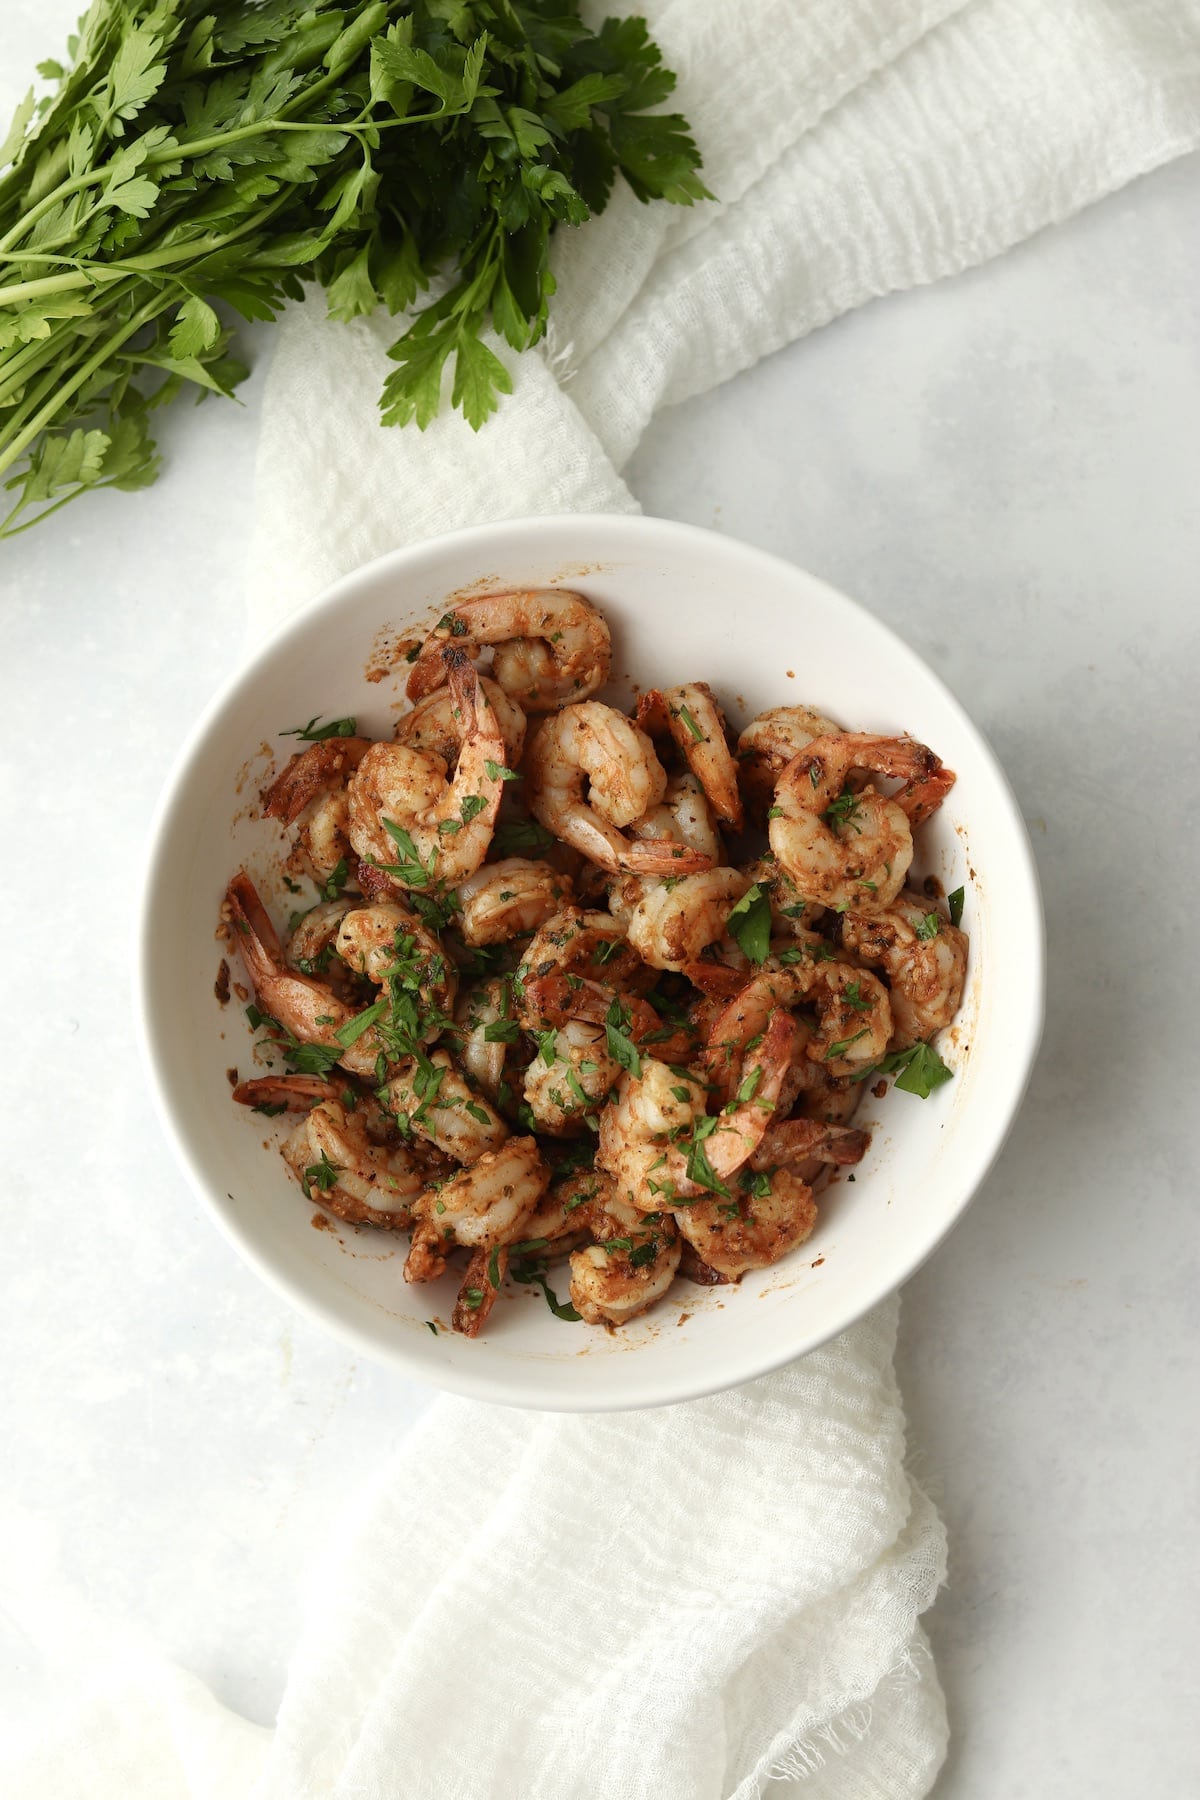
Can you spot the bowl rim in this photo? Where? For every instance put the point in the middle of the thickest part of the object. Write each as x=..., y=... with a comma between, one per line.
x=489, y=1382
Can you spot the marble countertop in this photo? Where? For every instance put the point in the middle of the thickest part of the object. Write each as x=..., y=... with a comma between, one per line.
x=1004, y=467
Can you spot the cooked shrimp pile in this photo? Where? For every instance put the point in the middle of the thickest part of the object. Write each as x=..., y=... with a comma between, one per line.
x=585, y=987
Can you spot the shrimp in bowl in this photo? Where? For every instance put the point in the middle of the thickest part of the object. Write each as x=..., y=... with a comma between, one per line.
x=579, y=999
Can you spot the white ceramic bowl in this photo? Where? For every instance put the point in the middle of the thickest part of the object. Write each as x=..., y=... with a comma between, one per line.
x=683, y=604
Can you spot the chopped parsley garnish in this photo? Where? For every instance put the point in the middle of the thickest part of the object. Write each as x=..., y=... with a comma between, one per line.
x=841, y=1048
x=547, y=1043
x=270, y=1109
x=410, y=869
x=493, y=1268
x=430, y=1326
x=522, y=834
x=471, y=807
x=316, y=733
x=338, y=876
x=699, y=1169
x=852, y=996
x=750, y=924
x=928, y=926
x=321, y=1174
x=918, y=1070
x=621, y=1046
x=501, y=1031
x=955, y=903
x=841, y=812
x=353, y=1029
x=477, y=1112
x=473, y=1298
x=694, y=729
x=497, y=771
x=749, y=1087
x=312, y=1059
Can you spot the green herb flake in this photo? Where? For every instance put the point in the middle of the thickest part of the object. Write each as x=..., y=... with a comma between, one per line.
x=694, y=729
x=497, y=772
x=750, y=924
x=621, y=1046
x=955, y=901
x=928, y=926
x=316, y=733
x=841, y=1048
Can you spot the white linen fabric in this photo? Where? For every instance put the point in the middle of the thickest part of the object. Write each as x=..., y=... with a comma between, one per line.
x=691, y=1602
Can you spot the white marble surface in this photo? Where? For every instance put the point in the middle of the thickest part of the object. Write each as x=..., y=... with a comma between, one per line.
x=1005, y=468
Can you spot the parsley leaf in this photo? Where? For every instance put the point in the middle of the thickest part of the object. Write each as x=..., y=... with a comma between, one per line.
x=955, y=902
x=621, y=1046
x=316, y=733
x=750, y=924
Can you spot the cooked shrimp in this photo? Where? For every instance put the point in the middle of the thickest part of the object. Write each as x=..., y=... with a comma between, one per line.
x=630, y=1265
x=768, y=1217
x=305, y=1006
x=312, y=944
x=579, y=945
x=310, y=773
x=847, y=849
x=767, y=746
x=853, y=1014
x=449, y=823
x=694, y=719
x=658, y=1142
x=683, y=813
x=570, y=1078
x=340, y=1166
x=503, y=899
x=790, y=912
x=671, y=925
x=310, y=794
x=382, y=1179
x=596, y=744
x=436, y=724
x=552, y=646
x=924, y=958
x=393, y=948
x=557, y=1225
x=430, y=1097
x=480, y=1207
x=488, y=1004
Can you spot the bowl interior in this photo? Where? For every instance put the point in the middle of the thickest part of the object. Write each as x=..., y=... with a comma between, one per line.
x=683, y=604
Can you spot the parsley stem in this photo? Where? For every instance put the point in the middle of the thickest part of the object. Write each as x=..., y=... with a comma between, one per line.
x=64, y=390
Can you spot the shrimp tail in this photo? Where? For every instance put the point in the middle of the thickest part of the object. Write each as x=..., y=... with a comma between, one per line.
x=801, y=1140
x=477, y=1295
x=257, y=938
x=309, y=773
x=463, y=678
x=299, y=1093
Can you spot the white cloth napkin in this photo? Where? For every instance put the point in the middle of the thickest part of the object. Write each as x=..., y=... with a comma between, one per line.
x=679, y=1604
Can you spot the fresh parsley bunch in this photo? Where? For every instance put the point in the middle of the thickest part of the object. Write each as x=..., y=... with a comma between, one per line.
x=202, y=155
